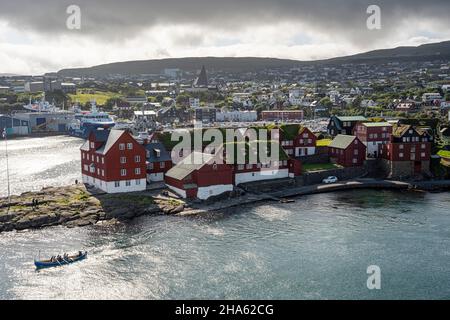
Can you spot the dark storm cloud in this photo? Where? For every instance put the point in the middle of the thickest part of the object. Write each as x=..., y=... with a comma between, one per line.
x=116, y=19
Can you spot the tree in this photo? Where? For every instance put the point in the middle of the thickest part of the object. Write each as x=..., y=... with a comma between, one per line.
x=326, y=102
x=111, y=102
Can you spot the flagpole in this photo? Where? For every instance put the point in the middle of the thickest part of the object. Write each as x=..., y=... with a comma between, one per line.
x=7, y=167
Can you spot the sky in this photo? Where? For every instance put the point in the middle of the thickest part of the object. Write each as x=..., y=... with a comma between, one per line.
x=34, y=37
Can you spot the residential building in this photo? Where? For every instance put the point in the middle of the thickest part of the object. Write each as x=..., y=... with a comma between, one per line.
x=204, y=115
x=282, y=115
x=236, y=116
x=159, y=161
x=194, y=103
x=347, y=151
x=374, y=135
x=33, y=87
x=170, y=115
x=305, y=143
x=113, y=161
x=4, y=90
x=407, y=107
x=430, y=97
x=343, y=125
x=408, y=154
x=200, y=176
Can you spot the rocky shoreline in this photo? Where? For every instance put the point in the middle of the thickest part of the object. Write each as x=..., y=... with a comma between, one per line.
x=75, y=206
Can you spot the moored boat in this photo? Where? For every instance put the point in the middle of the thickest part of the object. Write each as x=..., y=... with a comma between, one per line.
x=60, y=260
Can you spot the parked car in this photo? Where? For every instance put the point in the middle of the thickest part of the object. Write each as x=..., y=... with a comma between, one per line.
x=331, y=179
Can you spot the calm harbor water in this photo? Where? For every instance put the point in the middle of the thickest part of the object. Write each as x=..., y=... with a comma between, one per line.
x=39, y=162
x=316, y=248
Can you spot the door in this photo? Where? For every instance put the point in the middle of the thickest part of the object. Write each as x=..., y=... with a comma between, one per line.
x=417, y=167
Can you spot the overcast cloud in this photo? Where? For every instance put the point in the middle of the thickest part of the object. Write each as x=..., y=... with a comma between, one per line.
x=34, y=37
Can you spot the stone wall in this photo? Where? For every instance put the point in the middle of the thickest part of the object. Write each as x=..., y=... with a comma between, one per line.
x=342, y=174
x=403, y=169
x=268, y=185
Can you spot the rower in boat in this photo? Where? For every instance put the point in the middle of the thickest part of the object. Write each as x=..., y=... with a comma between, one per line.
x=60, y=260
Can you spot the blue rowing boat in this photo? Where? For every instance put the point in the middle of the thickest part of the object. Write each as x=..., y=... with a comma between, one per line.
x=60, y=262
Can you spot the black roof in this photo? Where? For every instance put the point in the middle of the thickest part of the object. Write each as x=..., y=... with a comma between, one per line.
x=164, y=155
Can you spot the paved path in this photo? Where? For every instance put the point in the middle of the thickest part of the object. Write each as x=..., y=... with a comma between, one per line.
x=315, y=189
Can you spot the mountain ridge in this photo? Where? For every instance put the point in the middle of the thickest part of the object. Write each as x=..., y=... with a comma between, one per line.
x=253, y=64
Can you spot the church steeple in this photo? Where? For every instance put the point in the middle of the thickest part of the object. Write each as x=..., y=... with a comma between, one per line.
x=202, y=79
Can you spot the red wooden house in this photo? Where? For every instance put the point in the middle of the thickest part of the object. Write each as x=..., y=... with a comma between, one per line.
x=113, y=161
x=409, y=151
x=347, y=151
x=159, y=161
x=200, y=176
x=305, y=143
x=374, y=135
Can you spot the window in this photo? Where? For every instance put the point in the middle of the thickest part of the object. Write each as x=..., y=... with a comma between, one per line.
x=123, y=172
x=241, y=167
x=92, y=145
x=117, y=184
x=423, y=146
x=103, y=160
x=85, y=167
x=130, y=146
x=137, y=171
x=98, y=159
x=122, y=146
x=309, y=141
x=128, y=183
x=301, y=141
x=103, y=173
x=413, y=156
x=401, y=147
x=422, y=154
x=355, y=160
x=138, y=182
x=401, y=155
x=356, y=151
x=249, y=166
x=258, y=166
x=123, y=160
x=150, y=166
x=83, y=155
x=162, y=165
x=137, y=159
x=305, y=135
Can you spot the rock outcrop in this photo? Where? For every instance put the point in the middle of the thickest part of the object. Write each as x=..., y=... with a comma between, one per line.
x=74, y=206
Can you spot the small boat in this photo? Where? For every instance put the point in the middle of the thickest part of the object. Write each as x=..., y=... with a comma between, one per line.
x=61, y=261
x=287, y=201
